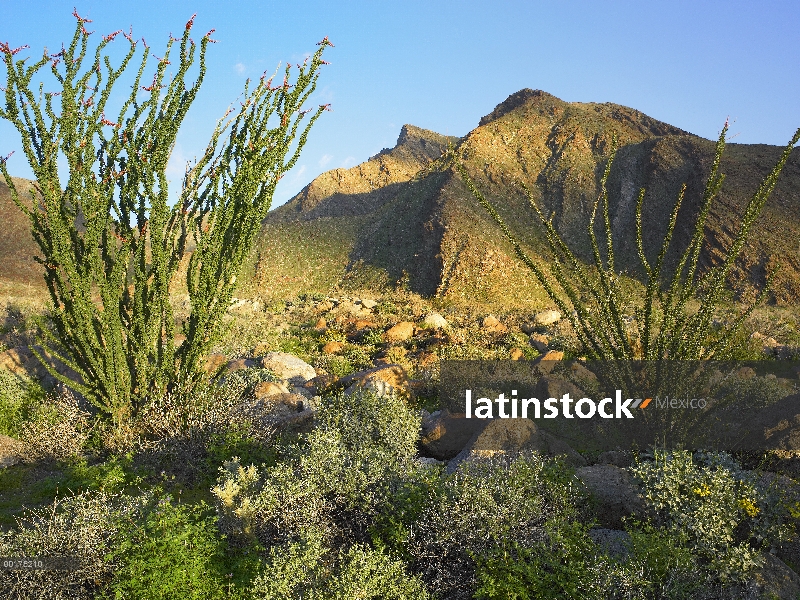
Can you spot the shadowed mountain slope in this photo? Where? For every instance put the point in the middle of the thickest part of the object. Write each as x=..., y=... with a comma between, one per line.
x=17, y=247
x=401, y=216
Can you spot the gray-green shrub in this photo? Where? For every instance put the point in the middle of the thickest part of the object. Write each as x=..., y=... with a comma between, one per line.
x=332, y=483
x=723, y=514
x=309, y=569
x=485, y=506
x=82, y=526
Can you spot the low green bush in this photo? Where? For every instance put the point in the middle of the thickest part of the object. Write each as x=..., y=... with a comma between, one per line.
x=175, y=551
x=724, y=515
x=18, y=398
x=308, y=569
x=481, y=508
x=331, y=483
x=566, y=564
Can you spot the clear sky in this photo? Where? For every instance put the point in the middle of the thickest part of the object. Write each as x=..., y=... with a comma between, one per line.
x=443, y=64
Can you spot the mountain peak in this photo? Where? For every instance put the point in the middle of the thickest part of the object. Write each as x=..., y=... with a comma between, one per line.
x=418, y=144
x=516, y=100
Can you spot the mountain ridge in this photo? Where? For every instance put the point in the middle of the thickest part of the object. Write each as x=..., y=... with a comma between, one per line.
x=428, y=230
x=404, y=217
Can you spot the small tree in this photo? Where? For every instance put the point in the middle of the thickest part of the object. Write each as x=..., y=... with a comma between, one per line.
x=663, y=326
x=110, y=242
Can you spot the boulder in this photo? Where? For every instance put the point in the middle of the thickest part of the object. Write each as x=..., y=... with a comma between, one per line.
x=510, y=437
x=547, y=317
x=539, y=341
x=615, y=492
x=320, y=384
x=548, y=360
x=362, y=324
x=776, y=580
x=551, y=386
x=401, y=332
x=321, y=325
x=435, y=321
x=239, y=364
x=772, y=428
x=385, y=380
x=369, y=304
x=288, y=366
x=492, y=324
x=332, y=347
x=516, y=354
x=276, y=411
x=265, y=389
x=444, y=434
x=214, y=363
x=582, y=373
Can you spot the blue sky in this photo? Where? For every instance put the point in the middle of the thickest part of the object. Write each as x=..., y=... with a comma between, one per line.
x=442, y=64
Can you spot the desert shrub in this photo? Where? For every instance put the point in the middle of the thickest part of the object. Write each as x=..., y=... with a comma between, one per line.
x=82, y=526
x=56, y=428
x=309, y=569
x=485, y=506
x=373, y=337
x=18, y=398
x=722, y=512
x=173, y=551
x=331, y=483
x=753, y=391
x=189, y=433
x=665, y=565
x=565, y=565
x=358, y=357
x=339, y=366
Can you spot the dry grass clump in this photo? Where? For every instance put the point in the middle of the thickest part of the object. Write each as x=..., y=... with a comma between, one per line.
x=56, y=430
x=82, y=527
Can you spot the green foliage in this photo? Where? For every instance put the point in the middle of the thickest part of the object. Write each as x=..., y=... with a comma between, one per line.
x=484, y=506
x=724, y=515
x=569, y=565
x=336, y=365
x=173, y=551
x=310, y=570
x=237, y=440
x=18, y=398
x=559, y=567
x=662, y=326
x=332, y=483
x=666, y=566
x=111, y=244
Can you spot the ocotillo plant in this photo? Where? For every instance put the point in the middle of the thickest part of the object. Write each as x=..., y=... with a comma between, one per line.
x=110, y=241
x=663, y=326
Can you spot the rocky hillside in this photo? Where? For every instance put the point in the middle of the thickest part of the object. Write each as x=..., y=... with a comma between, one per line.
x=402, y=218
x=393, y=220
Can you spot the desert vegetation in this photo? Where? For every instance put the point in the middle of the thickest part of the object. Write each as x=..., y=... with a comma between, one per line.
x=175, y=441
